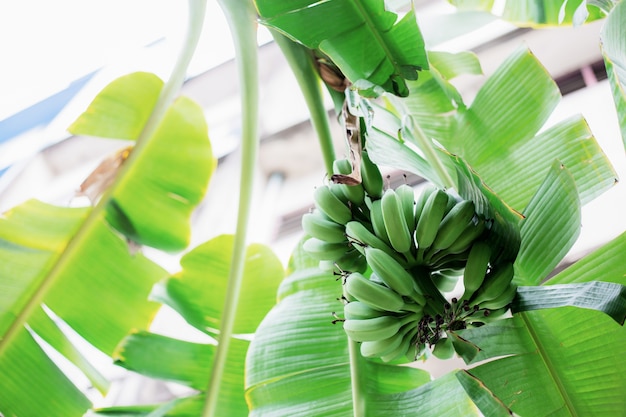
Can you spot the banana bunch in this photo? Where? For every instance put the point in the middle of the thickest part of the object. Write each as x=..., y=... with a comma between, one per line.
x=399, y=256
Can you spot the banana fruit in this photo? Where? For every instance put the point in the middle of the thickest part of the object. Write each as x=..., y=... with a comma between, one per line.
x=400, y=256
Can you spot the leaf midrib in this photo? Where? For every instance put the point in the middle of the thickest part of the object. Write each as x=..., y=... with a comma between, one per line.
x=374, y=30
x=569, y=405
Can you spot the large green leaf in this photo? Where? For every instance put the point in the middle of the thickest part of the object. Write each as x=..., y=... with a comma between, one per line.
x=537, y=13
x=606, y=297
x=604, y=264
x=565, y=362
x=153, y=202
x=121, y=109
x=498, y=133
x=100, y=299
x=187, y=363
x=614, y=51
x=198, y=291
x=363, y=39
x=551, y=226
x=298, y=363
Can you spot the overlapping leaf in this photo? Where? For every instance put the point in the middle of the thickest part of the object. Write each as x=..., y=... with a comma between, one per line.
x=298, y=363
x=539, y=13
x=366, y=41
x=153, y=202
x=197, y=293
x=614, y=51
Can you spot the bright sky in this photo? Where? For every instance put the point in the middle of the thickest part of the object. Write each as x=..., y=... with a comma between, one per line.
x=45, y=45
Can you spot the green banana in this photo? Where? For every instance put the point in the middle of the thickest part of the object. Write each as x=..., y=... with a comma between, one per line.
x=453, y=224
x=444, y=260
x=354, y=193
x=329, y=204
x=377, y=328
x=471, y=232
x=502, y=300
x=361, y=238
x=371, y=177
x=351, y=261
x=420, y=202
x=390, y=271
x=377, y=348
x=406, y=196
x=496, y=282
x=321, y=250
x=378, y=223
x=476, y=268
x=395, y=223
x=317, y=225
x=374, y=295
x=408, y=342
x=429, y=219
x=358, y=310
x=444, y=281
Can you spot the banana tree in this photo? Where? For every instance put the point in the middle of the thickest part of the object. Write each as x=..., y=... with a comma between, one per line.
x=558, y=353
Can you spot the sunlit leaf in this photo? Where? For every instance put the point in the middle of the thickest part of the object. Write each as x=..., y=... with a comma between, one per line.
x=187, y=363
x=198, y=291
x=363, y=39
x=121, y=109
x=606, y=297
x=485, y=400
x=534, y=13
x=153, y=202
x=551, y=226
x=32, y=385
x=569, y=367
x=604, y=264
x=614, y=52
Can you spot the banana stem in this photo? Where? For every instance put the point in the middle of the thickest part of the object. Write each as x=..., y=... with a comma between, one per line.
x=241, y=17
x=169, y=91
x=356, y=378
x=301, y=63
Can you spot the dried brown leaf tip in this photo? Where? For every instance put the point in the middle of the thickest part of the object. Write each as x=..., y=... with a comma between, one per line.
x=103, y=176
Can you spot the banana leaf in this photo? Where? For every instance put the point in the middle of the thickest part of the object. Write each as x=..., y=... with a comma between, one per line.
x=614, y=52
x=498, y=133
x=366, y=41
x=197, y=294
x=74, y=264
x=538, y=13
x=298, y=363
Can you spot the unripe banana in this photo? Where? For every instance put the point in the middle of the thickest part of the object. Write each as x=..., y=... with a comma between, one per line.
x=361, y=238
x=445, y=260
x=351, y=261
x=329, y=204
x=378, y=223
x=354, y=193
x=471, y=232
x=430, y=217
x=374, y=295
x=453, y=224
x=377, y=348
x=319, y=226
x=406, y=196
x=372, y=179
x=404, y=349
x=501, y=301
x=420, y=202
x=377, y=328
x=390, y=271
x=444, y=281
x=495, y=283
x=476, y=268
x=358, y=310
x=395, y=222
x=321, y=250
